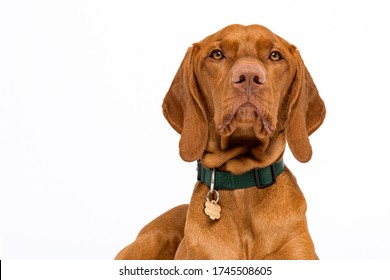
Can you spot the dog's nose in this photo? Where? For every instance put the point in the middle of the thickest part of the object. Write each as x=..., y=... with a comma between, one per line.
x=248, y=76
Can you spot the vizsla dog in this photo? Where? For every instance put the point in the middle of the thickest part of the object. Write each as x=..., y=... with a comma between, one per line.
x=238, y=97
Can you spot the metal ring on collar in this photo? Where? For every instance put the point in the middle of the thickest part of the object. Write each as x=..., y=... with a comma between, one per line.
x=210, y=193
x=212, y=190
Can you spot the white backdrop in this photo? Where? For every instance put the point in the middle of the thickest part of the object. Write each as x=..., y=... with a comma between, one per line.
x=87, y=158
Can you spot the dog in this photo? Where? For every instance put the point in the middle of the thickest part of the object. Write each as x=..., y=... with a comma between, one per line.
x=238, y=97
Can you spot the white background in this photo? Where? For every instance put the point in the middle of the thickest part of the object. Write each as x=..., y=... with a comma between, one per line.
x=87, y=158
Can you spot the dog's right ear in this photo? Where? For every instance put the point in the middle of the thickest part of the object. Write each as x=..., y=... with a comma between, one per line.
x=185, y=112
x=306, y=111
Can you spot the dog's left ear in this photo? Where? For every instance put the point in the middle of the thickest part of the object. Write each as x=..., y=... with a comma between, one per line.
x=183, y=108
x=306, y=111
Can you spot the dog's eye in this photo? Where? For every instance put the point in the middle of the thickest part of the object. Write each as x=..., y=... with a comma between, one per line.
x=217, y=55
x=275, y=56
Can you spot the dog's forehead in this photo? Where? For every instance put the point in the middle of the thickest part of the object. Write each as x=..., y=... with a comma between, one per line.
x=252, y=34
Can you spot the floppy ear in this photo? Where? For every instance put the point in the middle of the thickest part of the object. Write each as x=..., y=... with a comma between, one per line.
x=184, y=110
x=306, y=111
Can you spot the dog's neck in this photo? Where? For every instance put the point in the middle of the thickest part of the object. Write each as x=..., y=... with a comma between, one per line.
x=238, y=154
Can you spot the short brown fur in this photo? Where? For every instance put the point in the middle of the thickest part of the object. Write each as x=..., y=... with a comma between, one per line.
x=234, y=122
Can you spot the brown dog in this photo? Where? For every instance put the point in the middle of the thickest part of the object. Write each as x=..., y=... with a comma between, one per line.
x=237, y=98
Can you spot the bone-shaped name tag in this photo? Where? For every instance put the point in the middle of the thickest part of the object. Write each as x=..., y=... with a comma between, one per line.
x=212, y=209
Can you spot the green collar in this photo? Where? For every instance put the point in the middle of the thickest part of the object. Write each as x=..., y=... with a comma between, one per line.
x=260, y=177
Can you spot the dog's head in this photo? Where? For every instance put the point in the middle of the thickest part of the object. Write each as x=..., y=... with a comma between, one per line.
x=238, y=95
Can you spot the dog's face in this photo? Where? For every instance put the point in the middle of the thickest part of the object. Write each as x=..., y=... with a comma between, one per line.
x=238, y=95
x=244, y=72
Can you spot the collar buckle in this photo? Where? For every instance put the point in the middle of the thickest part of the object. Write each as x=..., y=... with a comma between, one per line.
x=257, y=177
x=199, y=169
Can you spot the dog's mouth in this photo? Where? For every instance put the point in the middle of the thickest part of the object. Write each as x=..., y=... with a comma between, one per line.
x=246, y=117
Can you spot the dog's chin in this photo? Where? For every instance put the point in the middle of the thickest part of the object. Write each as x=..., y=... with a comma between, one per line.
x=247, y=120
